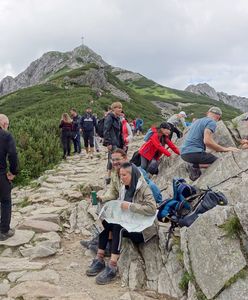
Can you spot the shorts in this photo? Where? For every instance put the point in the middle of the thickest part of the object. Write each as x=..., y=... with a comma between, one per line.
x=199, y=158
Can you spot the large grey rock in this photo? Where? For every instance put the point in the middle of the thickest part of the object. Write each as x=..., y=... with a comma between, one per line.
x=241, y=210
x=54, y=218
x=38, y=251
x=39, y=226
x=19, y=238
x=8, y=265
x=222, y=136
x=45, y=275
x=214, y=257
x=241, y=126
x=238, y=290
x=34, y=290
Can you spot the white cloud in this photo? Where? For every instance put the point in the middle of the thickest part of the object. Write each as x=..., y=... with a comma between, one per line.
x=175, y=42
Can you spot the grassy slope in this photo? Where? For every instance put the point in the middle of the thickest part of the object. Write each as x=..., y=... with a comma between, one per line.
x=35, y=114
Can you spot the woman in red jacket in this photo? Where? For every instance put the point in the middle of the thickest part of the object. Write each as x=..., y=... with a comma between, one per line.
x=153, y=149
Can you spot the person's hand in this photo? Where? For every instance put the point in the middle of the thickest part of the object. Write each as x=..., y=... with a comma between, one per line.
x=109, y=147
x=10, y=176
x=244, y=141
x=125, y=205
x=232, y=149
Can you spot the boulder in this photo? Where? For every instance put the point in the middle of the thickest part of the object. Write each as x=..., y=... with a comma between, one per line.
x=238, y=290
x=19, y=238
x=45, y=276
x=214, y=257
x=39, y=226
x=8, y=265
x=34, y=290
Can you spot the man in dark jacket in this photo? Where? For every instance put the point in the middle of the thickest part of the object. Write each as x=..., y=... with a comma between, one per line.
x=7, y=150
x=76, y=130
x=112, y=133
x=88, y=124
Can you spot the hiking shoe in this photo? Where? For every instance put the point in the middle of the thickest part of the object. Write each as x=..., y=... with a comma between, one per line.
x=194, y=173
x=107, y=275
x=96, y=267
x=6, y=235
x=108, y=180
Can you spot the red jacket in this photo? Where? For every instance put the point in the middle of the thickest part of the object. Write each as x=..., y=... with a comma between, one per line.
x=124, y=131
x=153, y=148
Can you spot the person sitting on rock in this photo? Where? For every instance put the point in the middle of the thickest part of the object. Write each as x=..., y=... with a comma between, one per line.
x=119, y=157
x=174, y=121
x=136, y=196
x=153, y=149
x=200, y=136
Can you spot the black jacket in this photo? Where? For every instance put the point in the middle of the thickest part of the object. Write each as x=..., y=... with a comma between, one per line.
x=7, y=151
x=88, y=122
x=76, y=123
x=112, y=132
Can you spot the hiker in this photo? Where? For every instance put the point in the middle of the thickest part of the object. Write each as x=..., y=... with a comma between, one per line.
x=174, y=121
x=76, y=130
x=96, y=137
x=135, y=196
x=153, y=149
x=7, y=151
x=139, y=125
x=88, y=125
x=66, y=134
x=126, y=131
x=119, y=157
x=200, y=136
x=112, y=134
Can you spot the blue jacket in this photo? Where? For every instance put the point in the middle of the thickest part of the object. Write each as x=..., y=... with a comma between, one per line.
x=88, y=122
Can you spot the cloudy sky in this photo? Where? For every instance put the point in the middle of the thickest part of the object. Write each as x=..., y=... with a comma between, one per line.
x=174, y=42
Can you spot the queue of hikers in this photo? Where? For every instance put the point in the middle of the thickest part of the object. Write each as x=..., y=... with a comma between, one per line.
x=130, y=189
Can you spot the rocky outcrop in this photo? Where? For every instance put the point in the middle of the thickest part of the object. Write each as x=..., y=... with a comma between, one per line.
x=206, y=90
x=41, y=69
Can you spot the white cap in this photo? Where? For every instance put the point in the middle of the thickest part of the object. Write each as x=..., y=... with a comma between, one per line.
x=183, y=114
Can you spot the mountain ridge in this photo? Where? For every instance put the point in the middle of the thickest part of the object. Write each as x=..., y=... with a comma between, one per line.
x=207, y=90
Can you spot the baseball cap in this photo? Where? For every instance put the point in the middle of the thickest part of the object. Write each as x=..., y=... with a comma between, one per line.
x=183, y=114
x=216, y=110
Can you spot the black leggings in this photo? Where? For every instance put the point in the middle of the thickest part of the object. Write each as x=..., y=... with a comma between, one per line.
x=117, y=233
x=66, y=142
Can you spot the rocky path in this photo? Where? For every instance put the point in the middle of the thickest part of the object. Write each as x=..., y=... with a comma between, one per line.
x=44, y=259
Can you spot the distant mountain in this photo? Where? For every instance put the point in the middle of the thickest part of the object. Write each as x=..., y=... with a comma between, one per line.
x=232, y=100
x=51, y=62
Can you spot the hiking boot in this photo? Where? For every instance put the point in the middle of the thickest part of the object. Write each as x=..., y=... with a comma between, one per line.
x=107, y=275
x=6, y=235
x=96, y=267
x=194, y=173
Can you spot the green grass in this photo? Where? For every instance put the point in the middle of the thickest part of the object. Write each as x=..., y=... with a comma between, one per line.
x=232, y=227
x=184, y=282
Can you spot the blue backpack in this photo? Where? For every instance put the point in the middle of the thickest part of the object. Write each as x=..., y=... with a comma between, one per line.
x=178, y=204
x=148, y=135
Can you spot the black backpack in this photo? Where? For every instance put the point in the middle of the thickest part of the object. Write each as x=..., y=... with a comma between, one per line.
x=100, y=127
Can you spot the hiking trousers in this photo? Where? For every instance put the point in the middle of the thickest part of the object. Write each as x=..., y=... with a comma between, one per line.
x=5, y=198
x=118, y=233
x=66, y=142
x=76, y=141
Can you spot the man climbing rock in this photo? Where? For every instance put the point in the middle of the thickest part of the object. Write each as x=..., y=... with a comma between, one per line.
x=7, y=151
x=200, y=136
x=175, y=121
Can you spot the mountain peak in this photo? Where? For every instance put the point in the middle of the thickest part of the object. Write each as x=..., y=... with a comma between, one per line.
x=48, y=64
